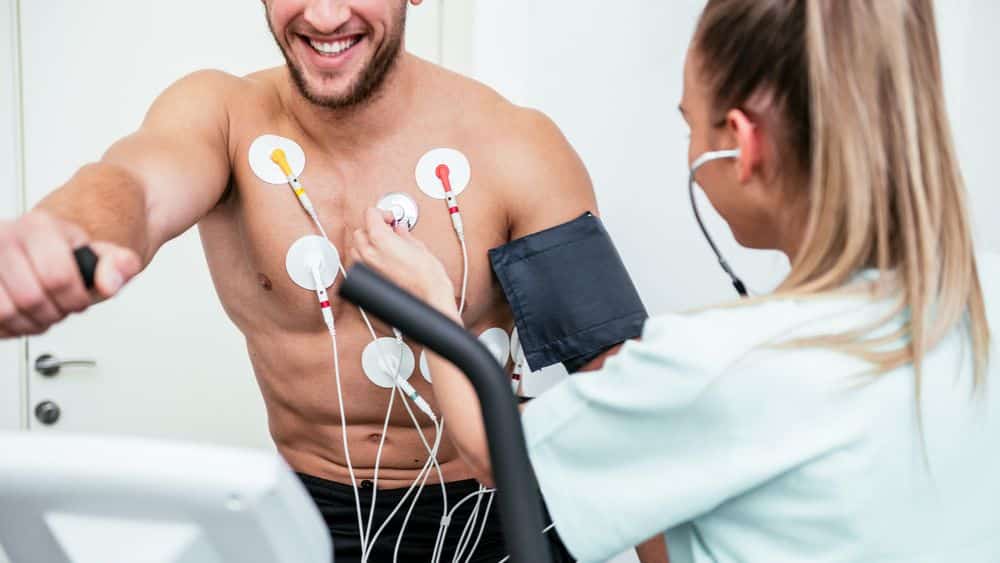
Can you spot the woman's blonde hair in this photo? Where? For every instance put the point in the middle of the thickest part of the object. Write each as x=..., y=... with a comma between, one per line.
x=858, y=92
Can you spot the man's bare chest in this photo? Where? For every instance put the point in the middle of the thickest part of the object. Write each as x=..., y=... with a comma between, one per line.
x=268, y=218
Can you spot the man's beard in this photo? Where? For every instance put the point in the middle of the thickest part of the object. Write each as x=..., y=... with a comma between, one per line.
x=367, y=84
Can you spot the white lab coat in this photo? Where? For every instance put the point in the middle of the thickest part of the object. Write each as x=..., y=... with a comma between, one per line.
x=751, y=453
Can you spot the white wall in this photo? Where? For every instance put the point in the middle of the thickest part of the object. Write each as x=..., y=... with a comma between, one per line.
x=610, y=75
x=969, y=48
x=10, y=351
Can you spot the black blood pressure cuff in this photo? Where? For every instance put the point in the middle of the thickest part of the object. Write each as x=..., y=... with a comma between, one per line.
x=569, y=291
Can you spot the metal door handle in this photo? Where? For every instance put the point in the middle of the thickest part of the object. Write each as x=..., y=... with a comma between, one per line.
x=50, y=366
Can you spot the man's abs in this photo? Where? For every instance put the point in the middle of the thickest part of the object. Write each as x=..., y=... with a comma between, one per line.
x=298, y=381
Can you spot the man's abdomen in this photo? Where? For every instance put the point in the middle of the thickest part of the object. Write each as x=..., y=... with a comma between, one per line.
x=298, y=382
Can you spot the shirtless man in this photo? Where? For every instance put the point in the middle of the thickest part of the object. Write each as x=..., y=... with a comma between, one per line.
x=364, y=112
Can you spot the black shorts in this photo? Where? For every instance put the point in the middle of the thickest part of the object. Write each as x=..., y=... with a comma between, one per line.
x=336, y=503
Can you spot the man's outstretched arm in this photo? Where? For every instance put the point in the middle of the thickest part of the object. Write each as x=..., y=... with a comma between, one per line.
x=148, y=188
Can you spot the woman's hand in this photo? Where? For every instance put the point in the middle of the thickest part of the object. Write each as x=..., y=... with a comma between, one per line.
x=406, y=261
x=395, y=254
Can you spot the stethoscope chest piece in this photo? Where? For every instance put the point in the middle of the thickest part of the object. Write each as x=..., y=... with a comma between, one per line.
x=404, y=208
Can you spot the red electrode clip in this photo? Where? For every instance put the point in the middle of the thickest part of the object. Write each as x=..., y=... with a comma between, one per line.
x=444, y=174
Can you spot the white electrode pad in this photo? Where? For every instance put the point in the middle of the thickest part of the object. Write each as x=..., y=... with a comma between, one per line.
x=396, y=355
x=307, y=252
x=425, y=370
x=516, y=353
x=497, y=342
x=265, y=168
x=537, y=382
x=520, y=364
x=533, y=383
x=459, y=172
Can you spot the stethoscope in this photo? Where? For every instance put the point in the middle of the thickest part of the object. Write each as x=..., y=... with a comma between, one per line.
x=698, y=163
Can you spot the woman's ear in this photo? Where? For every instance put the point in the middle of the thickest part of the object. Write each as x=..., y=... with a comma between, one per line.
x=747, y=136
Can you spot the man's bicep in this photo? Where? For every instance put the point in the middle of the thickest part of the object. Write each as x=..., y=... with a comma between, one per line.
x=561, y=269
x=180, y=154
x=551, y=185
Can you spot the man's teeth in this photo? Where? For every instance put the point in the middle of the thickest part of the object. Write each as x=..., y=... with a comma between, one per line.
x=336, y=47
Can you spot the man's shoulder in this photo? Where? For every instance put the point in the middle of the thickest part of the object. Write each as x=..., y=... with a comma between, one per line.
x=528, y=155
x=217, y=88
x=481, y=105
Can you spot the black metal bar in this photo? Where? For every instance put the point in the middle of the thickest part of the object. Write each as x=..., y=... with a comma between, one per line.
x=86, y=262
x=517, y=490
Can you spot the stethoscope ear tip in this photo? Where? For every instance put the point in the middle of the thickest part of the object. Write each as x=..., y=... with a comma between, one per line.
x=698, y=162
x=740, y=288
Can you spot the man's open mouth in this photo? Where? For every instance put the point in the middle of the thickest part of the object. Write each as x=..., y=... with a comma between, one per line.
x=334, y=48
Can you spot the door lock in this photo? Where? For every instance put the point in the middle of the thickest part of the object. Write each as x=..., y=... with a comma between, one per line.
x=47, y=412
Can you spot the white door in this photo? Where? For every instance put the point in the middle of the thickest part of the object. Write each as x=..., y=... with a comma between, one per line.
x=166, y=360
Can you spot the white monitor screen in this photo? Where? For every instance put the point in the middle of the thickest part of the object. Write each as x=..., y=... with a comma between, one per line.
x=88, y=499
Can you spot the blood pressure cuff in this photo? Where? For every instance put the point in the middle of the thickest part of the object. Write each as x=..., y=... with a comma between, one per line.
x=569, y=291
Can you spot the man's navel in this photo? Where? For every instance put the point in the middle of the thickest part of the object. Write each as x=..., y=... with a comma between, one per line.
x=264, y=282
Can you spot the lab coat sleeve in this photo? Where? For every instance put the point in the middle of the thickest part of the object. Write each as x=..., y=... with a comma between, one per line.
x=656, y=438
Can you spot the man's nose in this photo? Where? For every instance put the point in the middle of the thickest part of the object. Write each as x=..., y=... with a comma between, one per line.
x=327, y=16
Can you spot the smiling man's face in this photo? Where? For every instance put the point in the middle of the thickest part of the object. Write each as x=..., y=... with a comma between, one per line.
x=338, y=51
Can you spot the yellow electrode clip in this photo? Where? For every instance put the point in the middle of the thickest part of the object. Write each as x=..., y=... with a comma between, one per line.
x=278, y=157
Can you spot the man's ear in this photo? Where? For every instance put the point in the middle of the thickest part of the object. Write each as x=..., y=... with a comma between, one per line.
x=748, y=140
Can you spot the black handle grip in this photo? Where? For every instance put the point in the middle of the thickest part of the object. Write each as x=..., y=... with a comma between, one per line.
x=517, y=490
x=86, y=262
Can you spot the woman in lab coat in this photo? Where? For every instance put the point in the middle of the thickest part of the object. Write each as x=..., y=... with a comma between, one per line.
x=849, y=415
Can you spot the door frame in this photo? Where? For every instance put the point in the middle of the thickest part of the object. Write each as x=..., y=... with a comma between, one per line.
x=13, y=354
